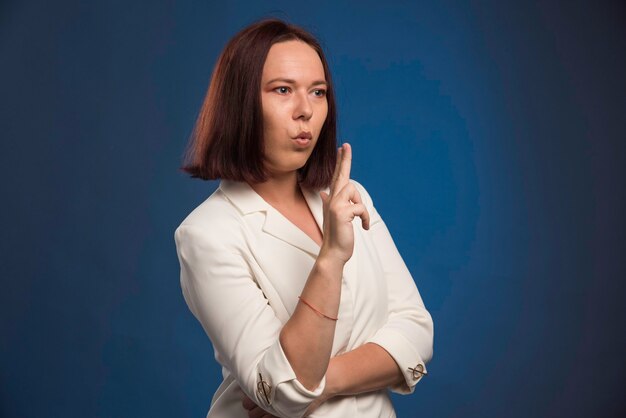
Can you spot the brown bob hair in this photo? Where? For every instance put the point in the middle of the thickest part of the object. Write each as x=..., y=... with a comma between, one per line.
x=227, y=139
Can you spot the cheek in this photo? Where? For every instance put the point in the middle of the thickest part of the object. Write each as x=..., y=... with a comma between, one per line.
x=272, y=121
x=323, y=113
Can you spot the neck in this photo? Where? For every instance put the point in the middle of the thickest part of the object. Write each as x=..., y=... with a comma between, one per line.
x=283, y=189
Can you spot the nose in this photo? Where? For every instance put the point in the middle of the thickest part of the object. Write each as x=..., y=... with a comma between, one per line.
x=303, y=107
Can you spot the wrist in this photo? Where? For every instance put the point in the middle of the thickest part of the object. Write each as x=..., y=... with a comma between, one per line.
x=333, y=380
x=330, y=260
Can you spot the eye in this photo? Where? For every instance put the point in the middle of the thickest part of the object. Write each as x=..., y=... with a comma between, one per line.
x=281, y=89
x=321, y=92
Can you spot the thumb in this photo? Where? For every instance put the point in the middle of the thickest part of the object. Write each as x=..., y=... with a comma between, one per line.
x=324, y=196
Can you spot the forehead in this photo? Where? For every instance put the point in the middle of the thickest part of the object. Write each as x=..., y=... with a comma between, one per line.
x=293, y=59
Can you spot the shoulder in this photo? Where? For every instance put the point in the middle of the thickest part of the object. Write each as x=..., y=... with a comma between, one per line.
x=215, y=223
x=214, y=211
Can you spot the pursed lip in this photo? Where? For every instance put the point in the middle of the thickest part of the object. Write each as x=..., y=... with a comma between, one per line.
x=304, y=135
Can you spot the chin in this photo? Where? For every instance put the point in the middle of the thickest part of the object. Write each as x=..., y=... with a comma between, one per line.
x=294, y=167
x=290, y=162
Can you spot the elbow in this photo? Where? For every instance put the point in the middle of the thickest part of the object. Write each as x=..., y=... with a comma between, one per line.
x=310, y=376
x=311, y=386
x=423, y=337
x=275, y=386
x=429, y=337
x=418, y=327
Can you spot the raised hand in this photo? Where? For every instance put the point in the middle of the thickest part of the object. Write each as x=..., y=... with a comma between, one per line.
x=340, y=207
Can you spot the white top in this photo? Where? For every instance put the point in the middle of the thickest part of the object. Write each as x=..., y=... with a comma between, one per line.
x=243, y=266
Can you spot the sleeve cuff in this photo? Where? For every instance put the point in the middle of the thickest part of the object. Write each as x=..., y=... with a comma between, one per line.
x=278, y=387
x=408, y=359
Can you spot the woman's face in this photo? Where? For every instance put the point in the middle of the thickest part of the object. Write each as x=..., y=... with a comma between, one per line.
x=293, y=96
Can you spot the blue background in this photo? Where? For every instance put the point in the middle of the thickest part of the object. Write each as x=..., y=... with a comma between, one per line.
x=490, y=135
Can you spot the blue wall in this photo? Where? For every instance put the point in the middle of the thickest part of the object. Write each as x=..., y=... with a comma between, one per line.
x=498, y=127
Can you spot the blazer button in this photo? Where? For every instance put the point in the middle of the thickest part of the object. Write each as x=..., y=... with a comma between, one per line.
x=264, y=389
x=418, y=371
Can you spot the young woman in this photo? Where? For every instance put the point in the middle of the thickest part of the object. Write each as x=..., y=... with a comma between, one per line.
x=287, y=265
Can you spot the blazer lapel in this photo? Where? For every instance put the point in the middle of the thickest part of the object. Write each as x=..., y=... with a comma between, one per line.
x=248, y=201
x=282, y=228
x=316, y=205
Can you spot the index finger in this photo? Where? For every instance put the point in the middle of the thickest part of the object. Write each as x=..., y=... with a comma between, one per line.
x=336, y=171
x=343, y=177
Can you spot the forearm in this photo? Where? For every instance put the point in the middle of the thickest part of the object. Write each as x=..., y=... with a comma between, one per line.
x=307, y=337
x=364, y=369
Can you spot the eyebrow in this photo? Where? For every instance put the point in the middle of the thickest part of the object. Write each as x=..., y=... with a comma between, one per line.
x=290, y=81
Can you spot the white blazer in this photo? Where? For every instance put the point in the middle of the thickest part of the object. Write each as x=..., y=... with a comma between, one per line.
x=243, y=266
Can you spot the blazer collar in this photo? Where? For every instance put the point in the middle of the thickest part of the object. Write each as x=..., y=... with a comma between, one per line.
x=276, y=224
x=243, y=196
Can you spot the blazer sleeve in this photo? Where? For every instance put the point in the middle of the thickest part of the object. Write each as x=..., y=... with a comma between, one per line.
x=219, y=289
x=408, y=333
